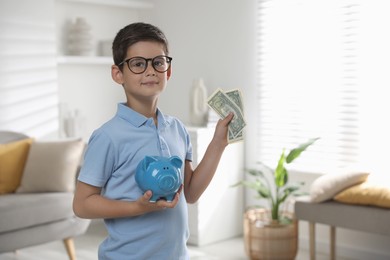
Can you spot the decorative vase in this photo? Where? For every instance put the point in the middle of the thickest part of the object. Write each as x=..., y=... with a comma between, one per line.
x=265, y=239
x=74, y=124
x=198, y=103
x=80, y=38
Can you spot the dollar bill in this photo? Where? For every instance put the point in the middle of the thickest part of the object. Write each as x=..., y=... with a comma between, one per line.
x=233, y=139
x=236, y=96
x=223, y=105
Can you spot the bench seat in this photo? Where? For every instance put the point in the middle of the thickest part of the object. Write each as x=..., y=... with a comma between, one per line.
x=369, y=219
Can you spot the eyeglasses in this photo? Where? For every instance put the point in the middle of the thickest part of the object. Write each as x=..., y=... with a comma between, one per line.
x=138, y=65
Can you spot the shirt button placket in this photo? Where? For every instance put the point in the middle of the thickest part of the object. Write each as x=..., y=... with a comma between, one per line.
x=163, y=146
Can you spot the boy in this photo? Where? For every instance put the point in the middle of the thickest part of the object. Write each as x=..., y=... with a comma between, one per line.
x=106, y=187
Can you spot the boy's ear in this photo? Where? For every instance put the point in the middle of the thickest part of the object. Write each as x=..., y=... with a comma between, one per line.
x=169, y=72
x=116, y=74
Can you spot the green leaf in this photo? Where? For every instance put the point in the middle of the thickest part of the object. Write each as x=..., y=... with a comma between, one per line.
x=283, y=198
x=289, y=190
x=292, y=187
x=264, y=192
x=296, y=152
x=259, y=187
x=236, y=184
x=255, y=172
x=281, y=176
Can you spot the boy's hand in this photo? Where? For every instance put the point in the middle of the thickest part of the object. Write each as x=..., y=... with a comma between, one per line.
x=221, y=130
x=160, y=204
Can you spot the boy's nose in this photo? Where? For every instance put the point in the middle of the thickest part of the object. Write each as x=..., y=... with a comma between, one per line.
x=149, y=69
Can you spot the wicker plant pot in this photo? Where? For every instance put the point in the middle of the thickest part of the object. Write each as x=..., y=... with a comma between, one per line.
x=266, y=240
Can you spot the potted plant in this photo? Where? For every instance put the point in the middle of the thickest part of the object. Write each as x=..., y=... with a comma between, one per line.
x=272, y=233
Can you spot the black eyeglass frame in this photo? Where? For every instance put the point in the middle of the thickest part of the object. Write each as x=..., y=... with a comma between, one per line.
x=169, y=60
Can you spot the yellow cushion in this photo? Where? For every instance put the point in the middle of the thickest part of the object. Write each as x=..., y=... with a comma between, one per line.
x=366, y=193
x=13, y=157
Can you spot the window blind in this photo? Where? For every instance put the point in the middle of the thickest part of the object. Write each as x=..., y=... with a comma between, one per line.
x=308, y=81
x=28, y=69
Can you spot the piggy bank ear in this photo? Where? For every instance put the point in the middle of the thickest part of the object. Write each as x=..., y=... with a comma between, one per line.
x=148, y=160
x=176, y=161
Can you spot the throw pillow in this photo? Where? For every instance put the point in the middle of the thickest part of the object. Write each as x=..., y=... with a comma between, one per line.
x=328, y=185
x=366, y=193
x=13, y=158
x=52, y=166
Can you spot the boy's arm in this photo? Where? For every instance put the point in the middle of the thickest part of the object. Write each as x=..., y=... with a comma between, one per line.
x=88, y=203
x=196, y=181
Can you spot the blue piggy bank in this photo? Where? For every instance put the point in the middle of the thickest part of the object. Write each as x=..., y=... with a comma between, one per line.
x=161, y=175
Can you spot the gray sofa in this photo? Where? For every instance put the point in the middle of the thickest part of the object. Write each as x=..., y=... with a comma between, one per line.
x=28, y=219
x=337, y=214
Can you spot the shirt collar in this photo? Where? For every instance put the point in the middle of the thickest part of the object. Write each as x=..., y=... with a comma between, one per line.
x=136, y=118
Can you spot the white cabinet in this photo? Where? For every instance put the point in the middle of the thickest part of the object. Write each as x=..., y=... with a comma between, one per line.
x=218, y=213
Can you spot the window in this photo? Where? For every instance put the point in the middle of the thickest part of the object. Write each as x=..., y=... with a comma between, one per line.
x=317, y=77
x=28, y=69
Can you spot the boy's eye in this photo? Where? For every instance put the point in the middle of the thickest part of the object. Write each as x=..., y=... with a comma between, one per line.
x=138, y=63
x=158, y=63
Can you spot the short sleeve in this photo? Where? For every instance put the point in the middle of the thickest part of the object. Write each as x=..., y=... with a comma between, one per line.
x=189, y=147
x=99, y=160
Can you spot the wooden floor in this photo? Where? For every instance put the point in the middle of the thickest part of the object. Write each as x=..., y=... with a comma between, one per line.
x=86, y=249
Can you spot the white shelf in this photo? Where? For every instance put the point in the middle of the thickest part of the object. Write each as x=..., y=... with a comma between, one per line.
x=137, y=4
x=85, y=60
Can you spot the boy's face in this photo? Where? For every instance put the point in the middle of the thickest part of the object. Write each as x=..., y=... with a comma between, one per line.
x=147, y=85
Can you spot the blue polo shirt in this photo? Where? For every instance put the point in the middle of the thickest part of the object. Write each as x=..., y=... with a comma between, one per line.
x=113, y=153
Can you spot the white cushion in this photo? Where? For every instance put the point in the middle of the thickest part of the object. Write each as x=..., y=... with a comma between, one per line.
x=52, y=166
x=328, y=185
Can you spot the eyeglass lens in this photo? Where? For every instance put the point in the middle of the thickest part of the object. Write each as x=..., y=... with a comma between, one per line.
x=139, y=64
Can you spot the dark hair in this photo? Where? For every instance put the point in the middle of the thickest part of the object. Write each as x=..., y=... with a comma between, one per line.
x=133, y=33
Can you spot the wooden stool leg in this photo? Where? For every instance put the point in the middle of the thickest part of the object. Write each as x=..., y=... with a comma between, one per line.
x=312, y=237
x=70, y=249
x=332, y=243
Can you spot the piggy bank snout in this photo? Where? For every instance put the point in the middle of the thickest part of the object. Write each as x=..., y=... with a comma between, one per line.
x=167, y=182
